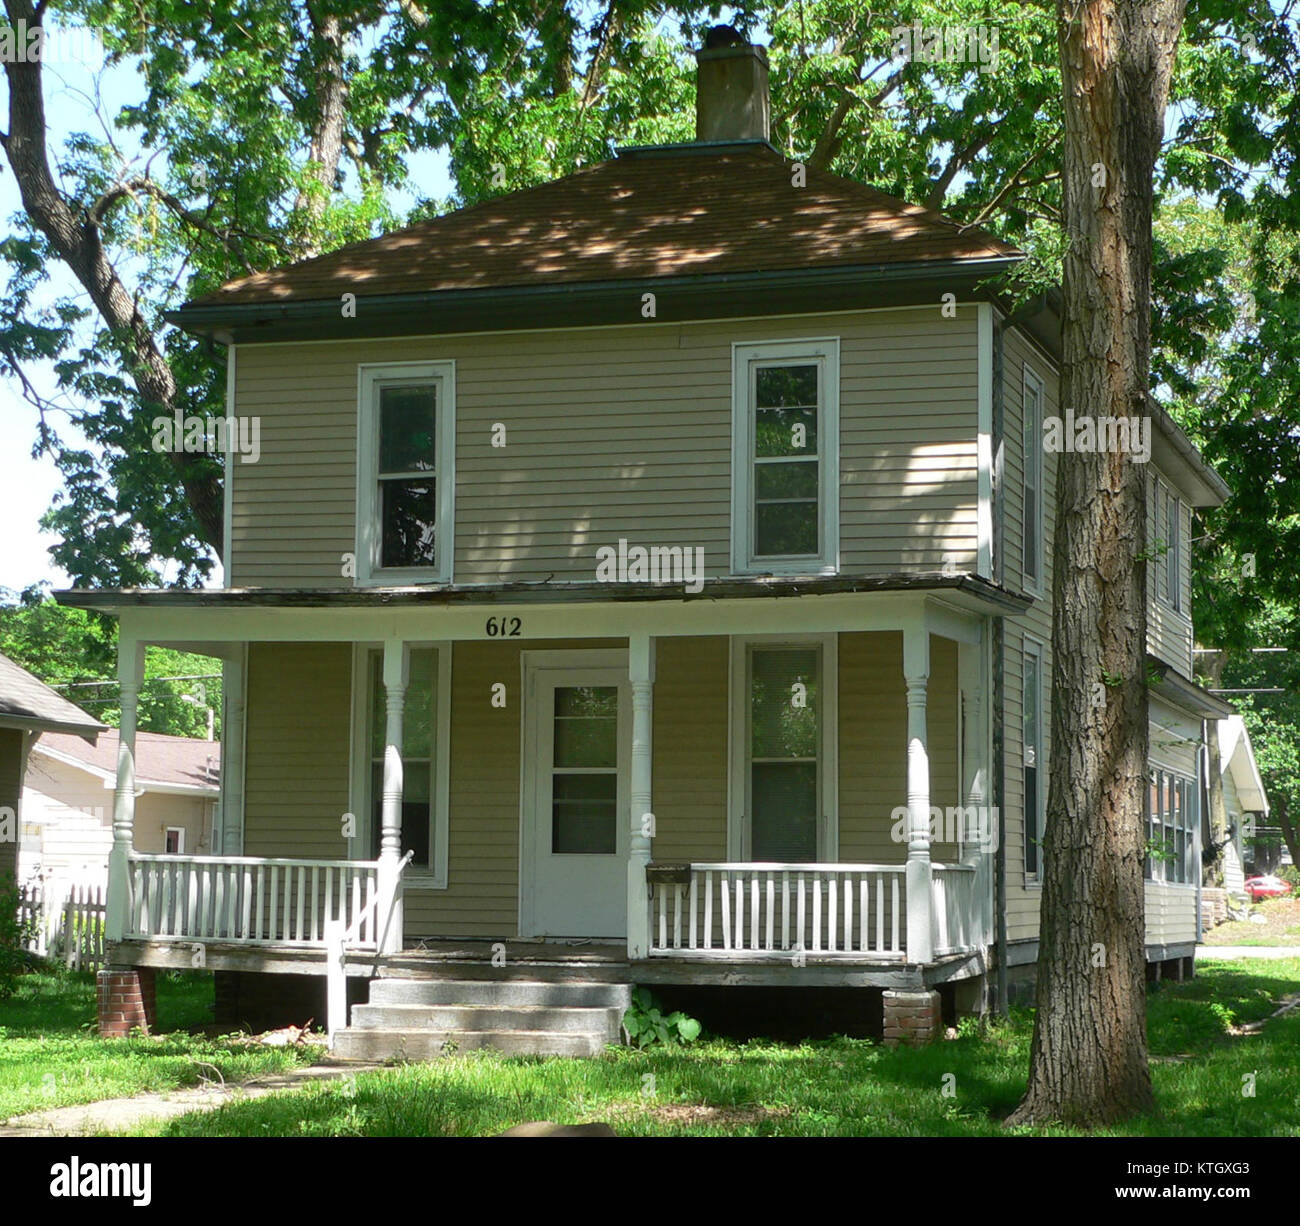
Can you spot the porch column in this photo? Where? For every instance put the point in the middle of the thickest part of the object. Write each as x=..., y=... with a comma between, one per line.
x=130, y=673
x=641, y=671
x=920, y=893
x=396, y=674
x=974, y=783
x=233, y=678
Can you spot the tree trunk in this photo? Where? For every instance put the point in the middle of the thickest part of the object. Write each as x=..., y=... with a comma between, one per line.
x=1089, y=1060
x=1288, y=828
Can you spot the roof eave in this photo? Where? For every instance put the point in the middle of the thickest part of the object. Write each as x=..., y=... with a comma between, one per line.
x=679, y=299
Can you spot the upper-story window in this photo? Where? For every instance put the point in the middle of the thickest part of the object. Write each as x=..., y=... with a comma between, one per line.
x=405, y=477
x=1032, y=503
x=1173, y=552
x=785, y=457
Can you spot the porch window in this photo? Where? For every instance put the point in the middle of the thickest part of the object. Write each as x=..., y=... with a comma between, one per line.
x=1172, y=820
x=1032, y=527
x=1032, y=710
x=785, y=457
x=405, y=480
x=424, y=759
x=785, y=741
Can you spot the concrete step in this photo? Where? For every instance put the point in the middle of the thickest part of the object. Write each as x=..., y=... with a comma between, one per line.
x=375, y=1045
x=500, y=992
x=462, y=969
x=605, y=1023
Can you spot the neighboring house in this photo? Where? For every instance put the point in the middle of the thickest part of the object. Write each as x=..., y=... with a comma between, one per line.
x=68, y=803
x=463, y=622
x=1243, y=799
x=29, y=709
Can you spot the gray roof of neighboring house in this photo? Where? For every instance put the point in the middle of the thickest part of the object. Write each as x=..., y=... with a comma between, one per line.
x=27, y=702
x=161, y=762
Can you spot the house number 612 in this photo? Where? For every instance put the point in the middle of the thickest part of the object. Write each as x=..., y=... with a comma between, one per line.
x=503, y=627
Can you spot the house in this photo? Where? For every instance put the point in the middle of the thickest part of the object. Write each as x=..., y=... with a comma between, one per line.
x=644, y=578
x=67, y=828
x=1243, y=799
x=29, y=710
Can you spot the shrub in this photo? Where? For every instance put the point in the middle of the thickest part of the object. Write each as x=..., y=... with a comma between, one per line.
x=646, y=1023
x=14, y=936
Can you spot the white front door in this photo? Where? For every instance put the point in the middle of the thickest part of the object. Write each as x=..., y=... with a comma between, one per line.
x=575, y=829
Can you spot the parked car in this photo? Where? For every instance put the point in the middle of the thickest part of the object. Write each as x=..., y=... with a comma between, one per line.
x=1266, y=887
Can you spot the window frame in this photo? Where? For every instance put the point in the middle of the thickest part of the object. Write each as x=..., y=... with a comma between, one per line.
x=1182, y=817
x=361, y=802
x=371, y=378
x=1031, y=462
x=179, y=831
x=1031, y=646
x=746, y=357
x=738, y=741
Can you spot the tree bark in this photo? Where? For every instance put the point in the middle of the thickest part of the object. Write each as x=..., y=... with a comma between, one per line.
x=73, y=233
x=325, y=149
x=1089, y=1059
x=1288, y=827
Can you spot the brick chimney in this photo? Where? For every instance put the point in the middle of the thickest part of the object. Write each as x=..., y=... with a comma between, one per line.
x=731, y=98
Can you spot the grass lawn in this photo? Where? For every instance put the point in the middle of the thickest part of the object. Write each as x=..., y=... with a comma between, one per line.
x=839, y=1087
x=1281, y=926
x=50, y=1055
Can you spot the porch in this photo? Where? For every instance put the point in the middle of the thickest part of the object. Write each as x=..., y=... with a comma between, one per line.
x=678, y=674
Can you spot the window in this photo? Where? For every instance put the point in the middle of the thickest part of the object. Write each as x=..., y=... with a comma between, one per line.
x=174, y=841
x=1032, y=710
x=405, y=472
x=1032, y=526
x=1172, y=820
x=1173, y=552
x=584, y=771
x=425, y=759
x=785, y=457
x=783, y=761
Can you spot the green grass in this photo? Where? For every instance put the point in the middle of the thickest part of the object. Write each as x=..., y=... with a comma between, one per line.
x=839, y=1087
x=50, y=1055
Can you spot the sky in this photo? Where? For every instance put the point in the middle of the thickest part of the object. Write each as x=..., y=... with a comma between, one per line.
x=27, y=485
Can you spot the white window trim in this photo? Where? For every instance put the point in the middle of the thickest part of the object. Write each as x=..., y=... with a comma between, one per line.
x=179, y=831
x=1033, y=385
x=1191, y=824
x=359, y=800
x=1160, y=529
x=369, y=378
x=826, y=351
x=1030, y=645
x=828, y=832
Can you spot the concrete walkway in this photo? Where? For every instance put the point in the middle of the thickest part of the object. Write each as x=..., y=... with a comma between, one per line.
x=124, y=1114
x=1230, y=953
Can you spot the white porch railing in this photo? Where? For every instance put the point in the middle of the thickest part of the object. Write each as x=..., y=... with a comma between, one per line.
x=957, y=911
x=728, y=911
x=250, y=900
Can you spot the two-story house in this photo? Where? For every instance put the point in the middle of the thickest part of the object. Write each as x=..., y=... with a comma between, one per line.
x=644, y=578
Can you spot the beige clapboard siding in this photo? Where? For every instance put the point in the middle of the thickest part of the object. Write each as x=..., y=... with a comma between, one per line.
x=1170, y=913
x=873, y=742
x=296, y=749
x=1169, y=633
x=11, y=786
x=1022, y=897
x=618, y=432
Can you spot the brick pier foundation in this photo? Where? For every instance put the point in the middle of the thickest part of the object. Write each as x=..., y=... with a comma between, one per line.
x=126, y=1001
x=912, y=1018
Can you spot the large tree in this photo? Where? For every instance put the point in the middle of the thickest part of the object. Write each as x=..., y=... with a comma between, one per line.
x=1089, y=1058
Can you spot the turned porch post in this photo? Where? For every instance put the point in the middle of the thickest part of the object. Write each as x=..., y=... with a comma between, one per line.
x=396, y=674
x=919, y=875
x=130, y=673
x=233, y=673
x=641, y=671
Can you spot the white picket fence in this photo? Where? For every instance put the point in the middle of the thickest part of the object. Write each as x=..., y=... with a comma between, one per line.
x=67, y=923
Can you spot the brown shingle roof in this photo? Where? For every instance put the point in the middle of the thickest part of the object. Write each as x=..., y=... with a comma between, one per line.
x=666, y=212
x=27, y=701
x=159, y=759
